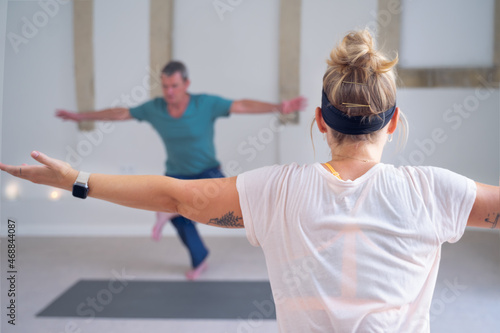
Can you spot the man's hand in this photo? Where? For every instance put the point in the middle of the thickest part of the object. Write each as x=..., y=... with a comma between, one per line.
x=53, y=172
x=67, y=115
x=292, y=105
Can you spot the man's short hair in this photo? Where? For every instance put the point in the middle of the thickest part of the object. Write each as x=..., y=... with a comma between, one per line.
x=175, y=67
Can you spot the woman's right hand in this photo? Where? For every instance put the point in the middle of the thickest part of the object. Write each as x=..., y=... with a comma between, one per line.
x=52, y=172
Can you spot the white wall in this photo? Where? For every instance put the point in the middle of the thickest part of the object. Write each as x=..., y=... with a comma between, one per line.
x=38, y=77
x=430, y=31
x=234, y=55
x=122, y=73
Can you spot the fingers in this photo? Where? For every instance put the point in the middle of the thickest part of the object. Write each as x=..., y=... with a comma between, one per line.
x=294, y=104
x=3, y=167
x=60, y=168
x=14, y=170
x=65, y=115
x=300, y=103
x=53, y=172
x=17, y=170
x=42, y=158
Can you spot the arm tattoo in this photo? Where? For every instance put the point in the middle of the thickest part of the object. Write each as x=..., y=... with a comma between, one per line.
x=493, y=222
x=228, y=220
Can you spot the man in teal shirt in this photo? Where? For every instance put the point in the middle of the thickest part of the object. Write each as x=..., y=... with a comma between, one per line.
x=189, y=139
x=185, y=123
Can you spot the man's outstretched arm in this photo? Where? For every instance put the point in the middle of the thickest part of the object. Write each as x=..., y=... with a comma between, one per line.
x=105, y=115
x=252, y=106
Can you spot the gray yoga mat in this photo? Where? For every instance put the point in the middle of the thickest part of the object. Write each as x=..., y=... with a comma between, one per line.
x=165, y=299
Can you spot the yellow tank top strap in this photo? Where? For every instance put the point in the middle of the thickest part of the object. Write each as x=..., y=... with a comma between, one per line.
x=335, y=173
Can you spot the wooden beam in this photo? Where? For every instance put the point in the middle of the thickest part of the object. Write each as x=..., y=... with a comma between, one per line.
x=83, y=18
x=447, y=77
x=289, y=54
x=160, y=40
x=389, y=23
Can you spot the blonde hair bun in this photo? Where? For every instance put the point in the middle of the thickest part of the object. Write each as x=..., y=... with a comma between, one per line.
x=357, y=50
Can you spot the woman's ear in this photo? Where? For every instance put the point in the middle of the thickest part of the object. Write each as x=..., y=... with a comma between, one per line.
x=319, y=120
x=394, y=122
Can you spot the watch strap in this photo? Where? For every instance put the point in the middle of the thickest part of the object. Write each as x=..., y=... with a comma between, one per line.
x=83, y=177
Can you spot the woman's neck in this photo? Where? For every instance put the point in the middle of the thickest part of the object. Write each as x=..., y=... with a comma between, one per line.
x=353, y=161
x=366, y=152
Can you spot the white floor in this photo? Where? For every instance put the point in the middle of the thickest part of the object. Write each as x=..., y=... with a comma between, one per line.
x=467, y=297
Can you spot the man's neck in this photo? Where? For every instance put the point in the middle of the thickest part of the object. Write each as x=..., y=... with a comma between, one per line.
x=176, y=110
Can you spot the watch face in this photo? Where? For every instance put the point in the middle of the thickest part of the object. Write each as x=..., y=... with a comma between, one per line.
x=80, y=191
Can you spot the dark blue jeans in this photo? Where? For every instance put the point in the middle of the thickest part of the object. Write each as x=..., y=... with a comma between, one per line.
x=187, y=229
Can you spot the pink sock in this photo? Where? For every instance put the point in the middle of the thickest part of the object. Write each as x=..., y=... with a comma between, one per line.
x=161, y=219
x=196, y=272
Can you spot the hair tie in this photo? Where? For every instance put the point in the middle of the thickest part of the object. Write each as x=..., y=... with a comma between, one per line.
x=354, y=125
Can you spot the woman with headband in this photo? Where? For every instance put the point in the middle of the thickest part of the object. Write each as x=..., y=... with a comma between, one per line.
x=351, y=244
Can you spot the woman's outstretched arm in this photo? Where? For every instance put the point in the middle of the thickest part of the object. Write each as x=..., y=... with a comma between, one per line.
x=210, y=201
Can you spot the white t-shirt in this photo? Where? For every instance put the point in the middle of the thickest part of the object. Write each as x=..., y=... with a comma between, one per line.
x=353, y=256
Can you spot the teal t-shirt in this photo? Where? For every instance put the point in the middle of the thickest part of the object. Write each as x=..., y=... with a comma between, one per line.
x=189, y=140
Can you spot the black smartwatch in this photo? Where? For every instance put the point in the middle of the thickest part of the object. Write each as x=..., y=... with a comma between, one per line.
x=81, y=187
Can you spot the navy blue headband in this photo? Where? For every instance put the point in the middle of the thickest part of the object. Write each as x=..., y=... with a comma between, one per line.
x=354, y=125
